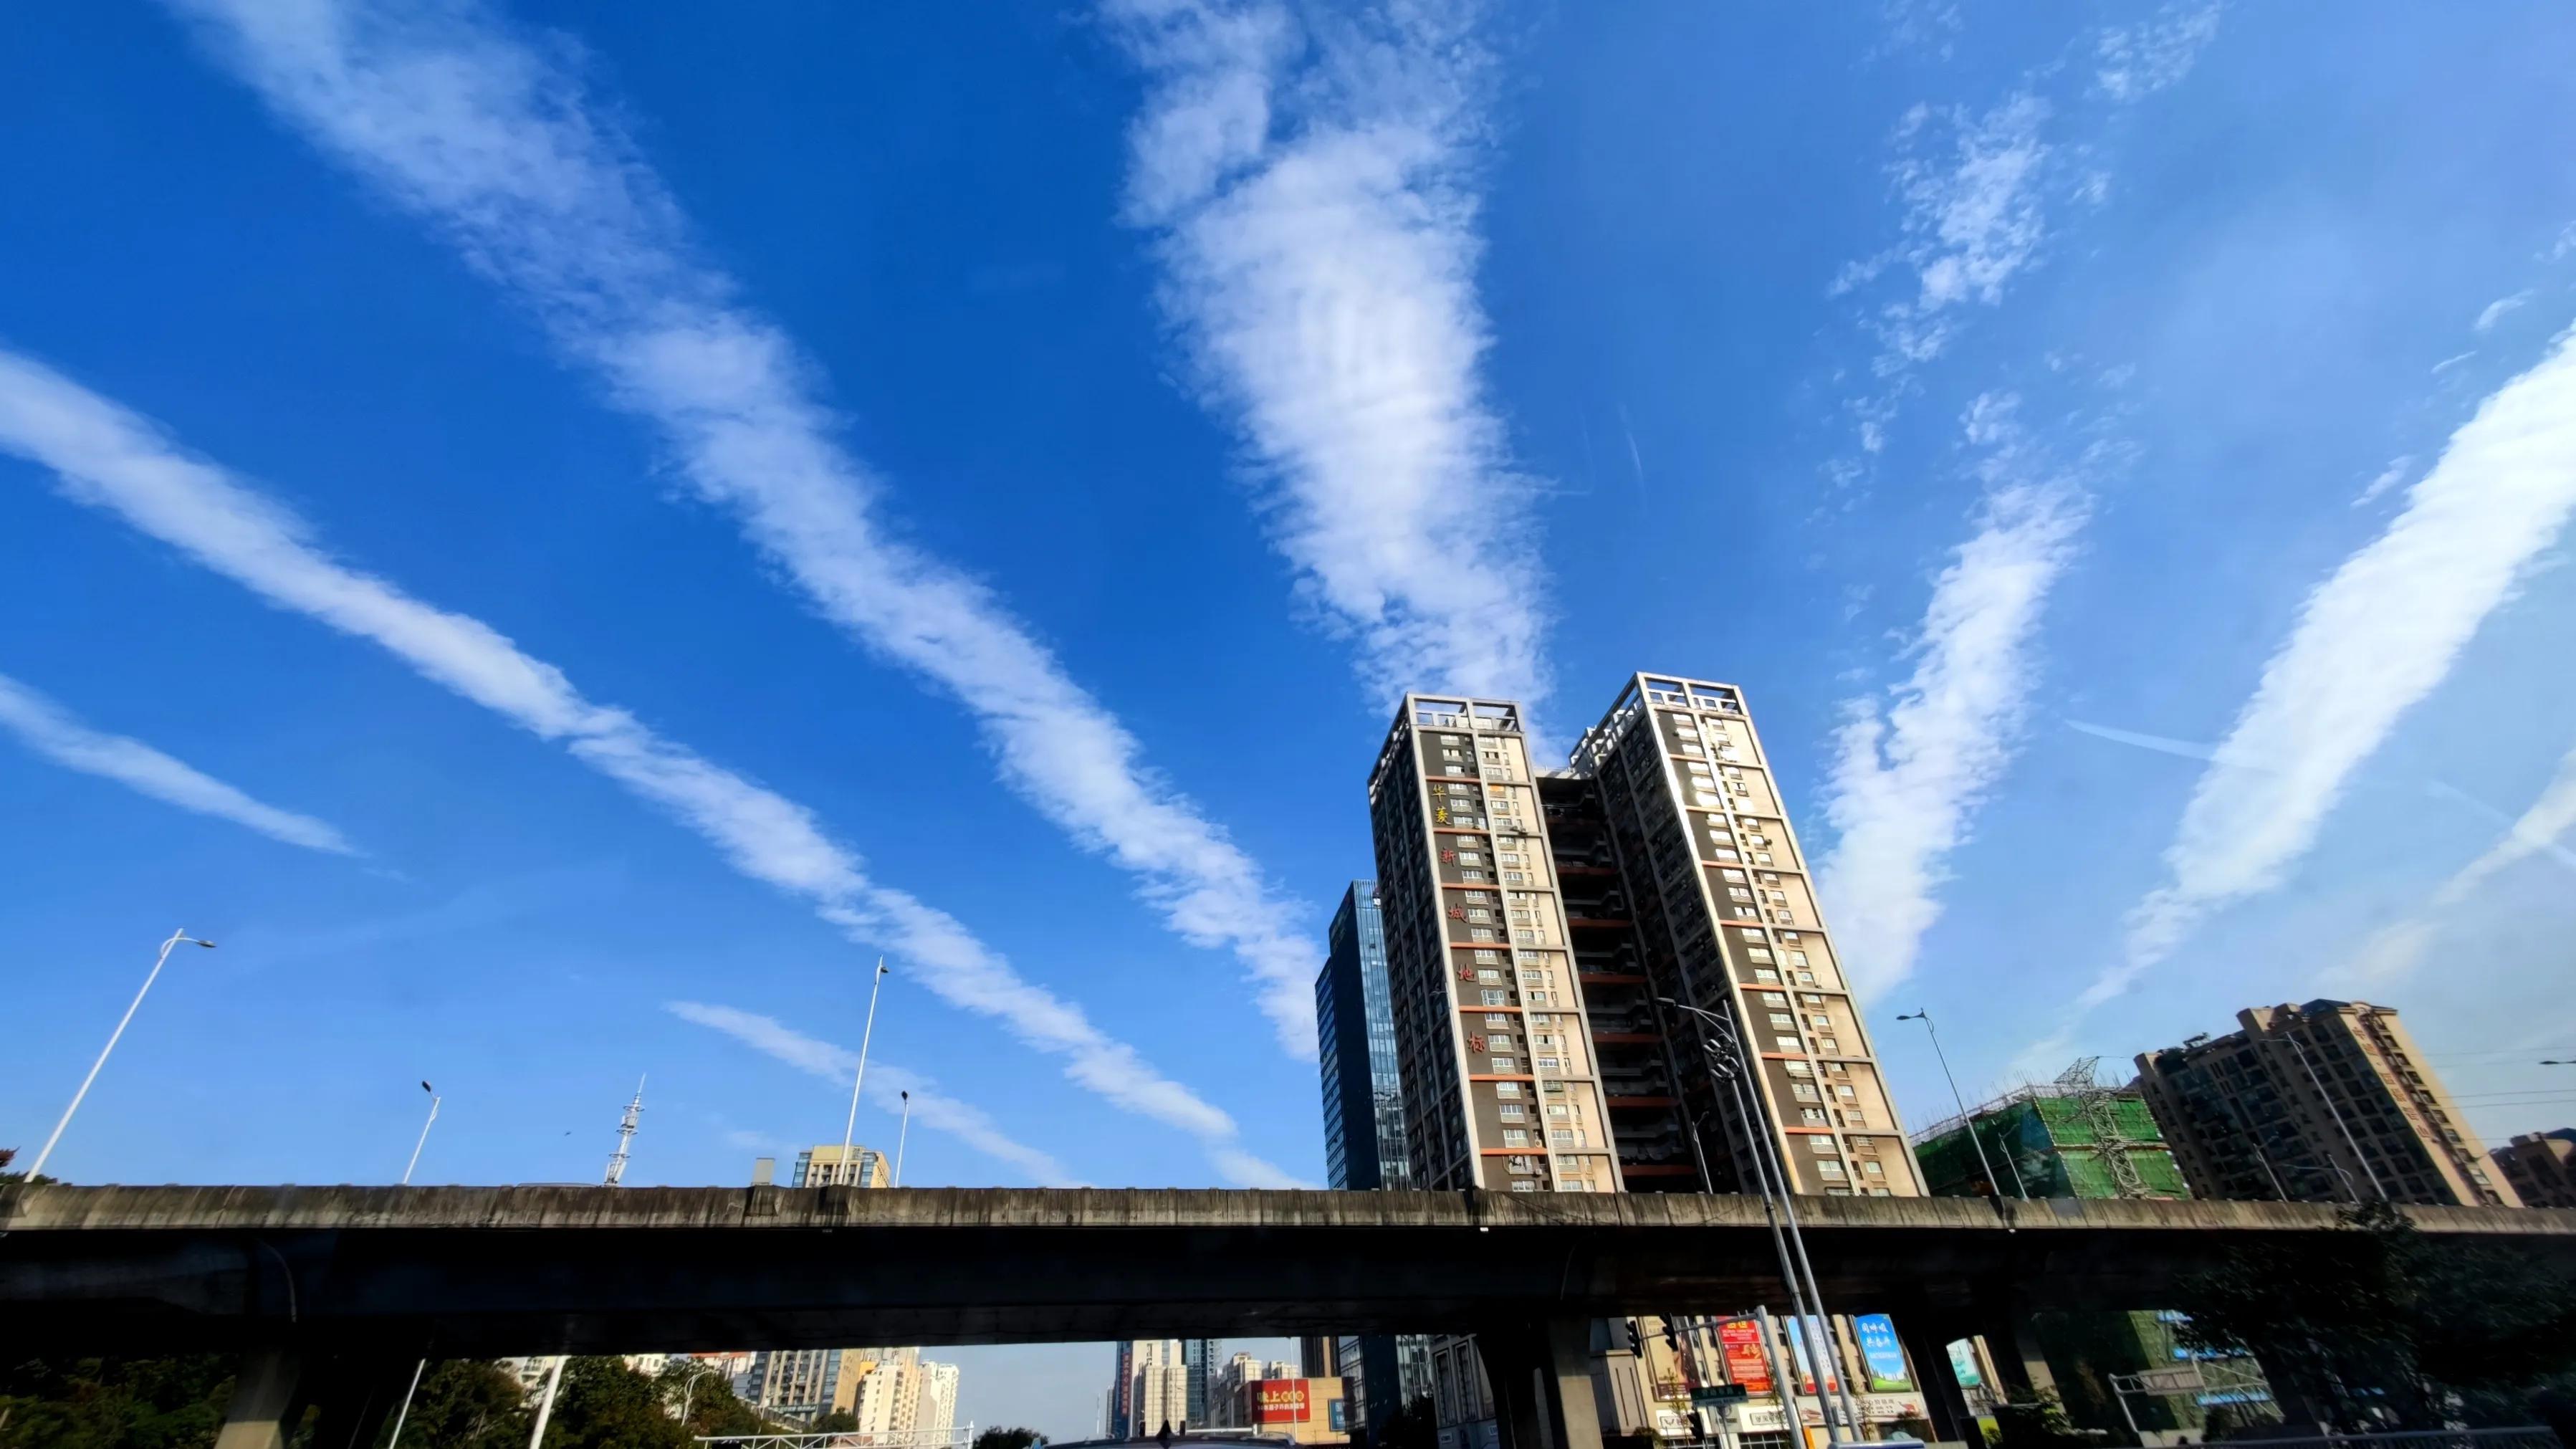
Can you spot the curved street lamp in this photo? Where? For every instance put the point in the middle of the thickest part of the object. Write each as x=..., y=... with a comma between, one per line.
x=112, y=1038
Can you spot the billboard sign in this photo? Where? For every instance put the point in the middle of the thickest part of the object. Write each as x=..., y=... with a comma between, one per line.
x=1963, y=1365
x=1881, y=1355
x=1739, y=1342
x=1280, y=1401
x=1807, y=1370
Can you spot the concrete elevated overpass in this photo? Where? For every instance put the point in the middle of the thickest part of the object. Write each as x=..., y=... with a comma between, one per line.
x=382, y=1275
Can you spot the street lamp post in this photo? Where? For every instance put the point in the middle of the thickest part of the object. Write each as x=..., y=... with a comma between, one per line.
x=851, y=1131
x=424, y=1133
x=901, y=1133
x=2020, y=1189
x=1726, y=1062
x=112, y=1038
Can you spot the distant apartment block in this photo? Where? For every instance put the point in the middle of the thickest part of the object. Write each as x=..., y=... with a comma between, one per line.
x=824, y=1166
x=2542, y=1167
x=2330, y=1101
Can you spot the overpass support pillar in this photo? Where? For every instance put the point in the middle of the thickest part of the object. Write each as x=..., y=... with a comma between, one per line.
x=353, y=1394
x=1541, y=1372
x=266, y=1400
x=2018, y=1356
x=1927, y=1339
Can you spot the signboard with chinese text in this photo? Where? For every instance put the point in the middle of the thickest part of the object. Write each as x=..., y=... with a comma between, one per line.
x=1739, y=1342
x=1880, y=1354
x=1279, y=1401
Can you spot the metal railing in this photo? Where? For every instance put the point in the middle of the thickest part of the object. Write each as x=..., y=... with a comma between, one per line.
x=2531, y=1436
x=958, y=1438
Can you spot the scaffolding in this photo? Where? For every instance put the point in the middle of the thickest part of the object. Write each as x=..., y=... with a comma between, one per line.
x=2071, y=1137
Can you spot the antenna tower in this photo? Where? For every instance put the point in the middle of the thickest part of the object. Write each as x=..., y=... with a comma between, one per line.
x=2101, y=1108
x=625, y=1136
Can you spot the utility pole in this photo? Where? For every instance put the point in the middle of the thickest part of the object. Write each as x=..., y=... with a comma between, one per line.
x=625, y=1137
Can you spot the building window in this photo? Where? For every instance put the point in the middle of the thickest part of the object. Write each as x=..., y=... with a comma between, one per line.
x=1507, y=1089
x=1821, y=1146
x=1549, y=1064
x=1515, y=1137
x=1524, y=1186
x=1513, y=1111
x=1498, y=1022
x=1505, y=1064
x=1494, y=998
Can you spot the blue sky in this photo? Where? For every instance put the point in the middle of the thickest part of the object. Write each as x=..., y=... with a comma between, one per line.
x=556, y=536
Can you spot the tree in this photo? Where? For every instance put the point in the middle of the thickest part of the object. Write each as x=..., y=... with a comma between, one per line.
x=837, y=1421
x=155, y=1403
x=603, y=1404
x=465, y=1403
x=713, y=1407
x=2379, y=1327
x=1013, y=1438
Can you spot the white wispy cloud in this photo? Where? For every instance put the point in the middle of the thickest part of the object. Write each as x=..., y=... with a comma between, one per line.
x=51, y=731
x=969, y=1124
x=2389, y=477
x=1310, y=182
x=2495, y=311
x=2396, y=950
x=1975, y=216
x=109, y=458
x=1910, y=770
x=2135, y=61
x=493, y=138
x=2371, y=640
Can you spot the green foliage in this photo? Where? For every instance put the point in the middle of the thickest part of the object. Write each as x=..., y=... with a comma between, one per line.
x=835, y=1421
x=8, y=1155
x=2035, y=1420
x=160, y=1403
x=2382, y=1328
x=1013, y=1438
x=603, y=1404
x=466, y=1404
x=713, y=1407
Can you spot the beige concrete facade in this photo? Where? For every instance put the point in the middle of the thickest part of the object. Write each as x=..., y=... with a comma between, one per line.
x=1501, y=1089
x=1727, y=919
x=2542, y=1167
x=2316, y=1103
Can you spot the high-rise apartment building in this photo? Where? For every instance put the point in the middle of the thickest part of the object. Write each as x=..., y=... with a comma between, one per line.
x=1198, y=1357
x=1726, y=919
x=1500, y=1086
x=935, y=1413
x=1533, y=920
x=1355, y=1024
x=2330, y=1101
x=2542, y=1167
x=1364, y=1134
x=808, y=1383
x=823, y=1166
